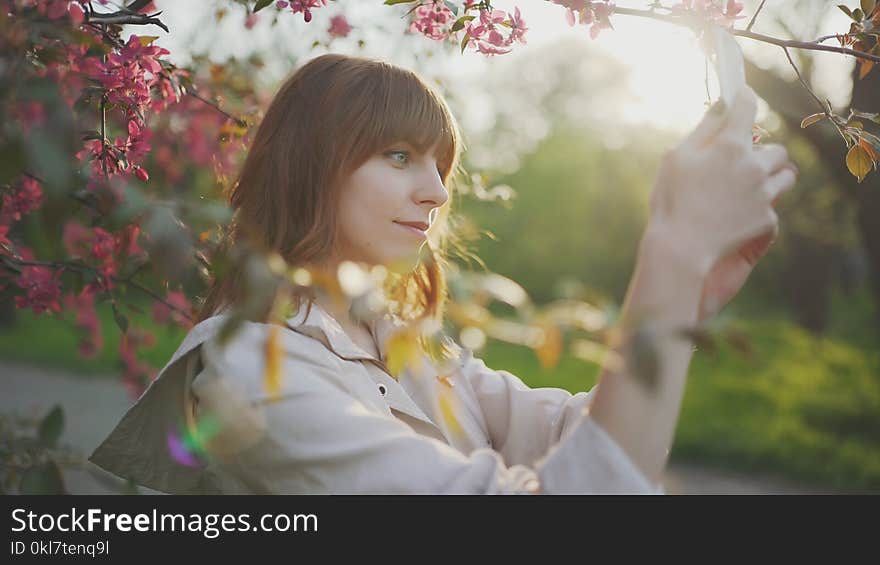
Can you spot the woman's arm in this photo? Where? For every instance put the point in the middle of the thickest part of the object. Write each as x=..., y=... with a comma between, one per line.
x=318, y=436
x=714, y=193
x=665, y=289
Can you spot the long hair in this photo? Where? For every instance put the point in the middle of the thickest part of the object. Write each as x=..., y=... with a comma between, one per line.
x=326, y=120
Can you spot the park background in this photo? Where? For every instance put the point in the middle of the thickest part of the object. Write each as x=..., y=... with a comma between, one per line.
x=576, y=128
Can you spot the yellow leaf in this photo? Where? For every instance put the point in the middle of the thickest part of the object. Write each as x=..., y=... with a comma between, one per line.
x=811, y=119
x=402, y=348
x=550, y=348
x=272, y=374
x=446, y=403
x=869, y=149
x=859, y=162
x=147, y=39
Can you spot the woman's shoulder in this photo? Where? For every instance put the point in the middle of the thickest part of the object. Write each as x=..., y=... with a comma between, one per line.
x=250, y=343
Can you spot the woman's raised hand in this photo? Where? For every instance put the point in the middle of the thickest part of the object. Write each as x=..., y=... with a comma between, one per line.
x=715, y=192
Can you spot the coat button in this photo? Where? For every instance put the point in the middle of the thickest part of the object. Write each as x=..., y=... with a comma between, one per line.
x=382, y=390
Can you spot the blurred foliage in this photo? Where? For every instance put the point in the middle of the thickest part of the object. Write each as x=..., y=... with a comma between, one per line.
x=578, y=214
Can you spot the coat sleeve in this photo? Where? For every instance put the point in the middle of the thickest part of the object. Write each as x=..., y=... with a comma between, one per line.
x=526, y=424
x=311, y=435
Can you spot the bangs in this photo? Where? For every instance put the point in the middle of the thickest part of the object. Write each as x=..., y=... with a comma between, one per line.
x=412, y=112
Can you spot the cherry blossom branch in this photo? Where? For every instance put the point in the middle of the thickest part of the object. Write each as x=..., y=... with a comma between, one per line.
x=12, y=264
x=238, y=121
x=128, y=15
x=804, y=82
x=755, y=16
x=79, y=198
x=787, y=43
x=826, y=38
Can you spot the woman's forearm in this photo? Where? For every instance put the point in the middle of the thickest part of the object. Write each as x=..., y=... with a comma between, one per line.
x=665, y=293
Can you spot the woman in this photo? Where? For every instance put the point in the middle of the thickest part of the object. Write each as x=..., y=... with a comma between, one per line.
x=351, y=151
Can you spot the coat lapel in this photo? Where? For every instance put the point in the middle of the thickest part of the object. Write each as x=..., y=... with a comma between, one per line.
x=321, y=326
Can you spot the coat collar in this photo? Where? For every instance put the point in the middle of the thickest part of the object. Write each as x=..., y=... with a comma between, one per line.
x=314, y=321
x=320, y=325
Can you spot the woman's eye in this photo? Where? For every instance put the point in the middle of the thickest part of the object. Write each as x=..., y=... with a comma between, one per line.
x=401, y=157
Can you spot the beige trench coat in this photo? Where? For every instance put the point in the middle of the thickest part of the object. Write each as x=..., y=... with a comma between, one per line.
x=341, y=424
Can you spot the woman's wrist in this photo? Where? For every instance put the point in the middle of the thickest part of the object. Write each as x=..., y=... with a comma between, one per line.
x=667, y=284
x=664, y=244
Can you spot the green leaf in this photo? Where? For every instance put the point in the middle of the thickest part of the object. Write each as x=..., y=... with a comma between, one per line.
x=396, y=2
x=42, y=479
x=858, y=15
x=459, y=23
x=845, y=10
x=811, y=119
x=261, y=4
x=121, y=319
x=464, y=41
x=859, y=162
x=51, y=427
x=873, y=116
x=452, y=7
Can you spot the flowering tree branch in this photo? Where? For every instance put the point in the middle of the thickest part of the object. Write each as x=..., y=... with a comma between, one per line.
x=786, y=43
x=128, y=15
x=15, y=264
x=755, y=16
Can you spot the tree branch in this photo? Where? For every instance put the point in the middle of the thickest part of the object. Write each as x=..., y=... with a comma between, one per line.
x=11, y=263
x=789, y=43
x=755, y=16
x=128, y=15
x=803, y=82
x=238, y=121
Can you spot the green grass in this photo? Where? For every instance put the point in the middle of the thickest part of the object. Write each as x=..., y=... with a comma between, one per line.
x=51, y=341
x=804, y=407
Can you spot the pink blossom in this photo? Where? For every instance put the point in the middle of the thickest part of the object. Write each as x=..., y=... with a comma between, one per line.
x=87, y=320
x=596, y=14
x=26, y=196
x=486, y=36
x=434, y=20
x=718, y=11
x=76, y=239
x=42, y=289
x=5, y=243
x=339, y=26
x=301, y=6
x=56, y=9
x=162, y=314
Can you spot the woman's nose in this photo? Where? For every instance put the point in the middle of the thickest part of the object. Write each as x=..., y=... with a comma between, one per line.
x=432, y=190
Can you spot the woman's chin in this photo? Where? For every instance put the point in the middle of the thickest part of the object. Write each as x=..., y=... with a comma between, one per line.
x=402, y=264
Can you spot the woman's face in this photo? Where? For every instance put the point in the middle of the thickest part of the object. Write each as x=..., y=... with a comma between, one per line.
x=396, y=186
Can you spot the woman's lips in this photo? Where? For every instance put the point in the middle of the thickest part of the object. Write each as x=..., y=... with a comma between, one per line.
x=413, y=230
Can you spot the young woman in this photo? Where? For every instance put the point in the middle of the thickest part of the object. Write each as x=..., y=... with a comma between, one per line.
x=351, y=163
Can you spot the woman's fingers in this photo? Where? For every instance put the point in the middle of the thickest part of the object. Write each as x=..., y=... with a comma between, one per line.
x=742, y=116
x=712, y=123
x=736, y=122
x=778, y=183
x=772, y=157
